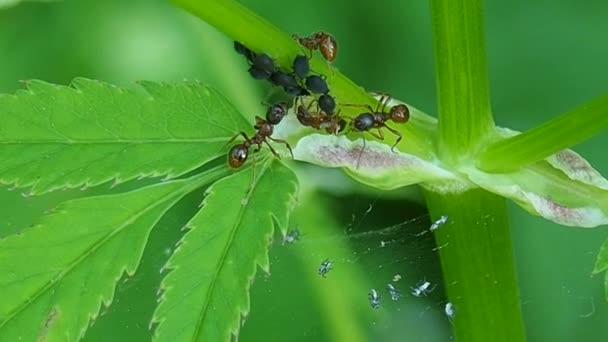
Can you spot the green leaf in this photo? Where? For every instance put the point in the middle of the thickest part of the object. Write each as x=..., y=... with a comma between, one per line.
x=564, y=189
x=549, y=138
x=601, y=263
x=55, y=275
x=10, y=3
x=373, y=164
x=56, y=136
x=206, y=291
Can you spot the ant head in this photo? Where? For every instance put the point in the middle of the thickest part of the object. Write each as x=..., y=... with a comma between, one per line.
x=237, y=156
x=276, y=112
x=363, y=122
x=400, y=113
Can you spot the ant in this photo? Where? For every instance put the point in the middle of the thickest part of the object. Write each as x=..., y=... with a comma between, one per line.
x=332, y=124
x=364, y=122
x=322, y=41
x=238, y=154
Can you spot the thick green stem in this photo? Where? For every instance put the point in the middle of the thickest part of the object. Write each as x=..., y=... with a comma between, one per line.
x=477, y=262
x=475, y=246
x=462, y=82
x=553, y=136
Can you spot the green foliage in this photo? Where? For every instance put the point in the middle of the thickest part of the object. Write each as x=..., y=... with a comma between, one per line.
x=10, y=3
x=61, y=271
x=55, y=136
x=56, y=154
x=57, y=274
x=207, y=288
x=551, y=137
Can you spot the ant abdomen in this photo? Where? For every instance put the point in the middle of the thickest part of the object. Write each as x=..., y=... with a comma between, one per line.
x=237, y=156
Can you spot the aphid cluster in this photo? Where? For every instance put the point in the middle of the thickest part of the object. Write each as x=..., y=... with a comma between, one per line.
x=319, y=111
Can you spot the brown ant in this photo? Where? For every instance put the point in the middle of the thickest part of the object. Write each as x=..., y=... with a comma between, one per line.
x=364, y=122
x=332, y=124
x=238, y=154
x=322, y=41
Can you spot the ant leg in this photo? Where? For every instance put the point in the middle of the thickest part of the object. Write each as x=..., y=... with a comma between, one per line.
x=379, y=136
x=361, y=153
x=331, y=70
x=282, y=142
x=366, y=106
x=241, y=133
x=273, y=150
x=383, y=102
x=397, y=133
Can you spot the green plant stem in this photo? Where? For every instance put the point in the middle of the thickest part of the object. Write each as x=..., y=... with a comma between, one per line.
x=475, y=246
x=480, y=279
x=462, y=83
x=553, y=136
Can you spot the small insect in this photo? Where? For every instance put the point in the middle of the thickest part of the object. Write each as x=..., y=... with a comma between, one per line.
x=276, y=113
x=257, y=73
x=283, y=79
x=301, y=66
x=327, y=104
x=331, y=124
x=450, y=310
x=316, y=84
x=423, y=288
x=440, y=222
x=292, y=236
x=245, y=51
x=364, y=122
x=239, y=153
x=296, y=91
x=322, y=41
x=393, y=292
x=325, y=267
x=374, y=299
x=263, y=62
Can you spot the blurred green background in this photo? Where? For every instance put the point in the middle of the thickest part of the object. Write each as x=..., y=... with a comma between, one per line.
x=544, y=57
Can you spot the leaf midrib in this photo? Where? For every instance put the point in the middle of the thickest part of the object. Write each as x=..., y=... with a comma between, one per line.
x=93, y=250
x=223, y=257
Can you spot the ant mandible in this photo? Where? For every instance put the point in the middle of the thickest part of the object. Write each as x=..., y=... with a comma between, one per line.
x=239, y=153
x=322, y=41
x=364, y=122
